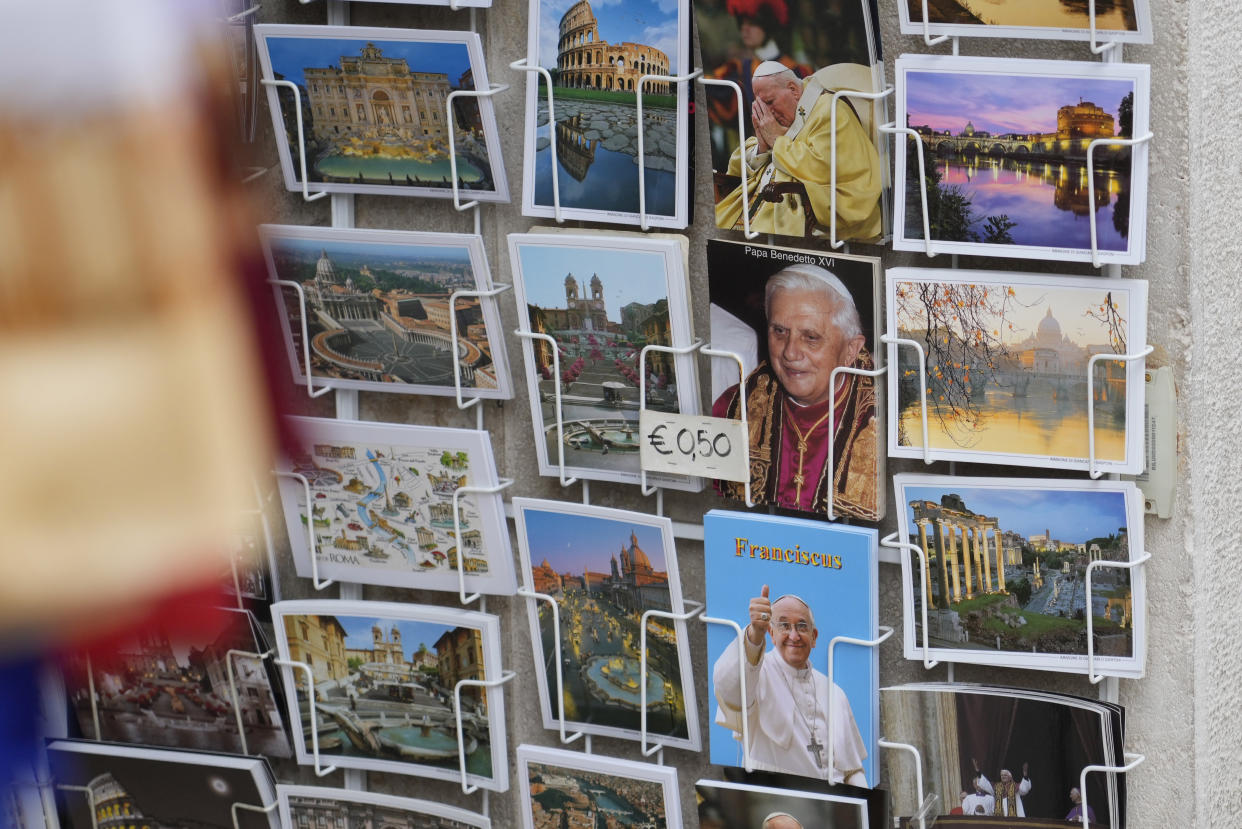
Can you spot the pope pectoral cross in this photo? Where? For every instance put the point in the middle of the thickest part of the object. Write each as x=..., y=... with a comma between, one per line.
x=815, y=748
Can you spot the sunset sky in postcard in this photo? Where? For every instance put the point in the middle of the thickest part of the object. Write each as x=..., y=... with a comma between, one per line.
x=573, y=543
x=1002, y=103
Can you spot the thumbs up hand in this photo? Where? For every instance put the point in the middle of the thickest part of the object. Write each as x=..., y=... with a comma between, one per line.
x=760, y=617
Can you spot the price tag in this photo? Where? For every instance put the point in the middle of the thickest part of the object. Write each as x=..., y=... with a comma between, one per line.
x=710, y=447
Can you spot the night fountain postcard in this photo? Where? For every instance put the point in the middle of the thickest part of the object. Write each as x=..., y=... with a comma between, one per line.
x=597, y=55
x=306, y=806
x=1006, y=144
x=180, y=690
x=813, y=163
x=377, y=312
x=158, y=787
x=1120, y=21
x=569, y=788
x=1007, y=357
x=375, y=111
x=743, y=806
x=602, y=298
x=1007, y=566
x=381, y=506
x=384, y=675
x=606, y=568
x=1003, y=758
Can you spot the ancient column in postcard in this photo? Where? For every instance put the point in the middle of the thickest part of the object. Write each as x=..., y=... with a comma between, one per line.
x=927, y=595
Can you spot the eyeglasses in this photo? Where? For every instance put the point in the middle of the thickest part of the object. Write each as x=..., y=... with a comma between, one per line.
x=802, y=627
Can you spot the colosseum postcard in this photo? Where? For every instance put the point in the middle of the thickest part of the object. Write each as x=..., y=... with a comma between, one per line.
x=376, y=114
x=606, y=568
x=1120, y=21
x=598, y=55
x=377, y=311
x=1023, y=158
x=1020, y=572
x=383, y=697
x=602, y=299
x=381, y=511
x=1017, y=368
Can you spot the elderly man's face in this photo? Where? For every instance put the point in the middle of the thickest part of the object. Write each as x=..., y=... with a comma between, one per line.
x=1075, y=796
x=803, y=345
x=1006, y=777
x=780, y=95
x=792, y=632
x=782, y=822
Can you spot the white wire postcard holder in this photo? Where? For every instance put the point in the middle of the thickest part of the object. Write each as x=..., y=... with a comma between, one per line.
x=247, y=807
x=1141, y=141
x=233, y=697
x=676, y=80
x=505, y=677
x=310, y=527
x=493, y=89
x=642, y=388
x=297, y=102
x=709, y=351
x=657, y=747
x=741, y=132
x=533, y=596
x=886, y=632
x=837, y=244
x=891, y=541
x=490, y=294
x=523, y=65
x=1095, y=358
x=929, y=803
x=560, y=412
x=1132, y=762
x=320, y=771
x=503, y=484
x=741, y=679
x=1098, y=47
x=832, y=420
x=90, y=799
x=894, y=342
x=311, y=391
x=891, y=128
x=269, y=553
x=1121, y=565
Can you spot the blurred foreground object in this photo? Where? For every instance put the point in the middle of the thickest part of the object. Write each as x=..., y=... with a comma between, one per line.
x=135, y=414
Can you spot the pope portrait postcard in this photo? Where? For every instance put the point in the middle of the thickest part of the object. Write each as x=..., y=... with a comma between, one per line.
x=381, y=506
x=998, y=758
x=745, y=806
x=796, y=318
x=374, y=115
x=1008, y=561
x=180, y=690
x=606, y=568
x=601, y=299
x=1019, y=368
x=569, y=788
x=1116, y=21
x=96, y=784
x=383, y=693
x=1023, y=158
x=816, y=164
x=807, y=706
x=304, y=807
x=375, y=310
x=597, y=56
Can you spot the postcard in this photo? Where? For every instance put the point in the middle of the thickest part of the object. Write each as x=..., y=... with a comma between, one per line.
x=878, y=811
x=303, y=807
x=382, y=506
x=385, y=673
x=1006, y=573
x=606, y=568
x=1005, y=145
x=1120, y=21
x=1002, y=753
x=247, y=583
x=569, y=788
x=1007, y=356
x=238, y=40
x=173, y=689
x=742, y=806
x=602, y=298
x=379, y=312
x=375, y=110
x=597, y=55
x=771, y=575
x=789, y=59
x=794, y=316
x=158, y=787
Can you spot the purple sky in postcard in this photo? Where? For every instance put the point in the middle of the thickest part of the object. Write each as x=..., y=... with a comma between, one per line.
x=1002, y=103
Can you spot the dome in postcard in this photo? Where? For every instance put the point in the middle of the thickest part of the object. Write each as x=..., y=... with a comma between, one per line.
x=325, y=271
x=1049, y=332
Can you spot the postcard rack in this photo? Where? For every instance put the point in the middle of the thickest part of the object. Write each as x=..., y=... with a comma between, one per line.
x=290, y=665
x=297, y=101
x=310, y=526
x=1133, y=761
x=886, y=632
x=502, y=485
x=505, y=678
x=642, y=405
x=679, y=620
x=534, y=596
x=311, y=391
x=642, y=165
x=1122, y=565
x=1097, y=47
x=229, y=656
x=247, y=807
x=523, y=65
x=926, y=814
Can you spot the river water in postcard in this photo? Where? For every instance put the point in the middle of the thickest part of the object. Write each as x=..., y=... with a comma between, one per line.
x=1039, y=424
x=1048, y=202
x=597, y=156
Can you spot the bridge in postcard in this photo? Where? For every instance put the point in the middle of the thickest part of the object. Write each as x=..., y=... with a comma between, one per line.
x=1034, y=146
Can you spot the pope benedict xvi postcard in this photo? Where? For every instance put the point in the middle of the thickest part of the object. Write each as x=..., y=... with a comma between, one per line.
x=810, y=706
